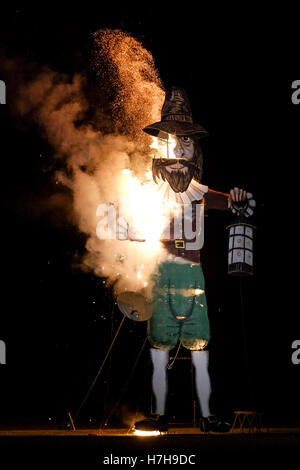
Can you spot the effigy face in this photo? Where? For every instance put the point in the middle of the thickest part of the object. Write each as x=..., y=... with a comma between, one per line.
x=179, y=174
x=184, y=150
x=179, y=171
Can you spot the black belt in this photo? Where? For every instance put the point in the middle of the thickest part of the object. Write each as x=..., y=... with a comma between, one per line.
x=176, y=243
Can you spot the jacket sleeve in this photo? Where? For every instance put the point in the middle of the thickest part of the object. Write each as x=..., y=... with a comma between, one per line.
x=216, y=200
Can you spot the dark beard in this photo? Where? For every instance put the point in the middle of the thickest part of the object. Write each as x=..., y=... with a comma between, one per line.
x=178, y=180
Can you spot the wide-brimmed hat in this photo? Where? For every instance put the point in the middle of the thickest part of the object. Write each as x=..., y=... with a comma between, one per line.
x=176, y=117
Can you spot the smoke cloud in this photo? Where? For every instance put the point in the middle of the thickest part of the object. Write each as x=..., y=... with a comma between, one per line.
x=93, y=123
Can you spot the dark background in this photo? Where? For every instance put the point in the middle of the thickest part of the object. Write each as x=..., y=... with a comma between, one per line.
x=58, y=322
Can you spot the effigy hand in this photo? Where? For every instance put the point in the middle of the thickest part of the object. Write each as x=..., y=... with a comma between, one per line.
x=240, y=201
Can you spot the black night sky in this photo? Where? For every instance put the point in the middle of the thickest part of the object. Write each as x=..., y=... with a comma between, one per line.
x=58, y=322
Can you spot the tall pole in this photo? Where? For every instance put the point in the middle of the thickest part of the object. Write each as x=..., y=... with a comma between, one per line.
x=247, y=376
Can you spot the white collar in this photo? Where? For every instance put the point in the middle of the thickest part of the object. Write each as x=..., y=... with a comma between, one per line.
x=195, y=191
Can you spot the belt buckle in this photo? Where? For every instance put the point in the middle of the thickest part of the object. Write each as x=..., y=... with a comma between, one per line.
x=179, y=243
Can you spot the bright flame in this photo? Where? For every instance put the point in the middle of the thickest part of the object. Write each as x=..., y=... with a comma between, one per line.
x=146, y=212
x=137, y=432
x=164, y=148
x=126, y=171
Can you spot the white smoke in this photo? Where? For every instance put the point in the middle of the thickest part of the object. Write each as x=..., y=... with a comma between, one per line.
x=92, y=158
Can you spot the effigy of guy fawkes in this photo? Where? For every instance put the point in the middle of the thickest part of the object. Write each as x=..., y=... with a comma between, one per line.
x=178, y=308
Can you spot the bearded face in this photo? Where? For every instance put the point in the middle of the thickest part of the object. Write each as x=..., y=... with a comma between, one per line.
x=180, y=170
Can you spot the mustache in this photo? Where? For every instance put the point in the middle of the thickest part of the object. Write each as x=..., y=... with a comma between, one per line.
x=159, y=164
x=162, y=162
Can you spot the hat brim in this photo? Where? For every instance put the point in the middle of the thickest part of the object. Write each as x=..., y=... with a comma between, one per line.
x=162, y=128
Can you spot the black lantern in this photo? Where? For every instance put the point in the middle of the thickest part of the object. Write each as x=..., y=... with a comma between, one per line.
x=241, y=239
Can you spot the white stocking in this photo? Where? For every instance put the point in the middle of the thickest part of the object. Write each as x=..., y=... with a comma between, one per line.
x=160, y=359
x=200, y=361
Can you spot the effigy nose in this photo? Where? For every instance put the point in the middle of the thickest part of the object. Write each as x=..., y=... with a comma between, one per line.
x=178, y=150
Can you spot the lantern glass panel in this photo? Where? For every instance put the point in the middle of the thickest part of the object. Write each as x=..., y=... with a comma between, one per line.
x=239, y=230
x=248, y=244
x=238, y=242
x=249, y=232
x=238, y=256
x=249, y=257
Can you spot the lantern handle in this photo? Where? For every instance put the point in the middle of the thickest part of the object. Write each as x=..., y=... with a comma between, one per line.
x=244, y=208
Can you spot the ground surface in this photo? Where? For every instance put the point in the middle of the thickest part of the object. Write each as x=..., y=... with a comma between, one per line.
x=184, y=447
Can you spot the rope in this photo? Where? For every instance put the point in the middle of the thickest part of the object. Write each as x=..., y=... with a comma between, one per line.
x=126, y=383
x=170, y=365
x=100, y=369
x=105, y=411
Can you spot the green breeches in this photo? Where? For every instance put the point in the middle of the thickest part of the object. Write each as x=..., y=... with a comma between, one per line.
x=179, y=307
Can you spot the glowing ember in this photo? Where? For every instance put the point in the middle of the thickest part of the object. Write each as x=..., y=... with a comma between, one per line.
x=129, y=68
x=186, y=292
x=164, y=148
x=199, y=291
